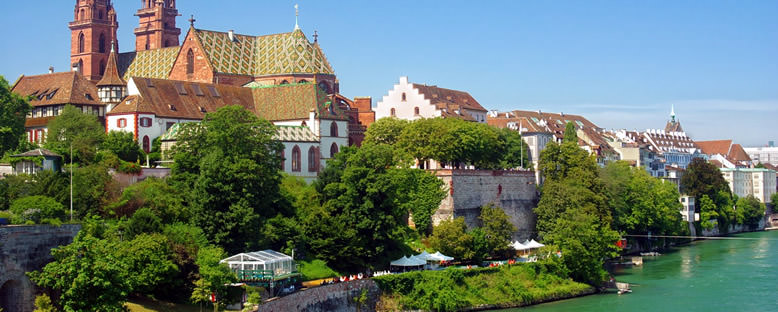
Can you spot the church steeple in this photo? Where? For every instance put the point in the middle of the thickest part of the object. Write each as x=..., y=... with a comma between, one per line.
x=673, y=125
x=92, y=30
x=157, y=25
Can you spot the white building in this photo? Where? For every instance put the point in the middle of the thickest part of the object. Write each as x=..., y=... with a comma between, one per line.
x=411, y=101
x=751, y=181
x=764, y=155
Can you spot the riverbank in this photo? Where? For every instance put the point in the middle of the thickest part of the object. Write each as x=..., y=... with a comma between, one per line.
x=476, y=289
x=708, y=275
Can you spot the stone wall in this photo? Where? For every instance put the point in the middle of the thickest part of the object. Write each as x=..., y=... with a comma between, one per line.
x=468, y=190
x=336, y=298
x=25, y=249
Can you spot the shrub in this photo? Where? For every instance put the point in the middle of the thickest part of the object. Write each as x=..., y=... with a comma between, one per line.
x=129, y=168
x=36, y=208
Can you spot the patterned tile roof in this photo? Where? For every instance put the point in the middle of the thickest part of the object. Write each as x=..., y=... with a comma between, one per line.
x=172, y=133
x=181, y=99
x=295, y=134
x=57, y=88
x=264, y=55
x=293, y=102
x=155, y=63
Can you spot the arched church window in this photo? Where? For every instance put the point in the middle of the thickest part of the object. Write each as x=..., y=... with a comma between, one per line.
x=81, y=43
x=80, y=66
x=101, y=43
x=81, y=15
x=283, y=82
x=296, y=159
x=312, y=159
x=100, y=14
x=392, y=112
x=190, y=62
x=404, y=98
x=333, y=150
x=334, y=129
x=416, y=110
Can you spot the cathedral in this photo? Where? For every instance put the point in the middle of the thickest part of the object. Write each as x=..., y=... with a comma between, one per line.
x=284, y=78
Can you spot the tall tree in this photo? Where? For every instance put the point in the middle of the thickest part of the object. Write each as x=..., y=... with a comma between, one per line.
x=385, y=131
x=514, y=152
x=231, y=162
x=498, y=230
x=13, y=112
x=703, y=178
x=571, y=134
x=82, y=131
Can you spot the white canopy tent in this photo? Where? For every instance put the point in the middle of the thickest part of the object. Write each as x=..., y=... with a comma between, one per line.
x=408, y=262
x=519, y=246
x=266, y=260
x=532, y=244
x=437, y=256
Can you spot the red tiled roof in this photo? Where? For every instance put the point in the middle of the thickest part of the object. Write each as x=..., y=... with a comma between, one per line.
x=57, y=88
x=737, y=153
x=450, y=100
x=189, y=100
x=720, y=147
x=111, y=75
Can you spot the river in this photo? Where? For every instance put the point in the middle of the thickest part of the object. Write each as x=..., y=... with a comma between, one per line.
x=709, y=275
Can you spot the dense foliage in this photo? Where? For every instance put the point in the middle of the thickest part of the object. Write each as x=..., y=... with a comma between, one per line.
x=13, y=112
x=455, y=289
x=72, y=128
x=37, y=209
x=701, y=180
x=573, y=211
x=491, y=239
x=123, y=145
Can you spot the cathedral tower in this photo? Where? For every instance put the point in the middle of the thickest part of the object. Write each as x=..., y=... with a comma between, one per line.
x=91, y=33
x=157, y=28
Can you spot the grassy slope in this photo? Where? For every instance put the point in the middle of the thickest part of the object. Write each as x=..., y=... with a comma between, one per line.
x=507, y=286
x=316, y=269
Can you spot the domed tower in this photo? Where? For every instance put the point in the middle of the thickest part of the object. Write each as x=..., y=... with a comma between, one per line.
x=157, y=27
x=111, y=89
x=92, y=31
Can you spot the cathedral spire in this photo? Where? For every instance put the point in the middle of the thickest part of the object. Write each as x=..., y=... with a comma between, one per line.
x=672, y=112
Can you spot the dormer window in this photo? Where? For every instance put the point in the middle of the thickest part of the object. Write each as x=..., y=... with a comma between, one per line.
x=172, y=107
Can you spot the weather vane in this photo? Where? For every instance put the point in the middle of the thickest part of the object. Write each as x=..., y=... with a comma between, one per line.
x=296, y=14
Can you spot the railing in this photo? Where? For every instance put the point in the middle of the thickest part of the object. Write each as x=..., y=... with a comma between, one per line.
x=262, y=275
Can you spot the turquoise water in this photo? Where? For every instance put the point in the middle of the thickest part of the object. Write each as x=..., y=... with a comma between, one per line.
x=712, y=275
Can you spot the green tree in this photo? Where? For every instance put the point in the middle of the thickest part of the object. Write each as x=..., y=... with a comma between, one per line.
x=708, y=212
x=93, y=189
x=514, y=152
x=218, y=159
x=774, y=199
x=148, y=261
x=385, y=131
x=573, y=212
x=13, y=112
x=82, y=131
x=428, y=138
x=450, y=237
x=703, y=178
x=214, y=274
x=571, y=134
x=360, y=208
x=88, y=276
x=143, y=221
x=420, y=193
x=750, y=210
x=164, y=200
x=498, y=230
x=37, y=209
x=123, y=144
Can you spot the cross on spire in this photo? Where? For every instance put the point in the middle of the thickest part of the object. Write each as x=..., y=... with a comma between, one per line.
x=315, y=36
x=296, y=15
x=192, y=20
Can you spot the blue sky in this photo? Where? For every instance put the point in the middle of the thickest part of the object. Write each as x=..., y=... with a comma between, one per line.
x=621, y=64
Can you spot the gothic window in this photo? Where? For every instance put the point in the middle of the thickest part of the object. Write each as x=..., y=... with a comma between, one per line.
x=167, y=43
x=80, y=66
x=416, y=110
x=284, y=82
x=146, y=144
x=81, y=43
x=296, y=159
x=102, y=67
x=333, y=150
x=101, y=43
x=81, y=15
x=334, y=129
x=403, y=99
x=190, y=62
x=312, y=164
x=100, y=14
x=392, y=112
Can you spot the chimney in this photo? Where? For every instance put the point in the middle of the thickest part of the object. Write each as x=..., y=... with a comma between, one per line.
x=231, y=34
x=51, y=69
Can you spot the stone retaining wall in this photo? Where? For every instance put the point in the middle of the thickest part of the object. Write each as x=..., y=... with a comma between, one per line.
x=468, y=190
x=336, y=298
